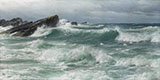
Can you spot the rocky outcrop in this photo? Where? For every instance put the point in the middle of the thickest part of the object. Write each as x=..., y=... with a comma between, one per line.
x=84, y=23
x=74, y=23
x=29, y=28
x=2, y=22
x=12, y=22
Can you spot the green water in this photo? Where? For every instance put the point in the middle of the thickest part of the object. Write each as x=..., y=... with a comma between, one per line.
x=83, y=52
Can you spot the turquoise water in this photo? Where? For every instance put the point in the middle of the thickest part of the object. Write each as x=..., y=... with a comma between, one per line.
x=83, y=52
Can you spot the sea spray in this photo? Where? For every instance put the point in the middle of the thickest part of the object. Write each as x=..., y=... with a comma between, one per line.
x=79, y=52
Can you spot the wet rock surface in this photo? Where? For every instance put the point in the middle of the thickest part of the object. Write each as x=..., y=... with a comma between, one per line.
x=27, y=28
x=74, y=23
x=12, y=22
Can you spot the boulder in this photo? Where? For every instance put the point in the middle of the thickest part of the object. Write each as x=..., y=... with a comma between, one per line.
x=74, y=23
x=29, y=28
x=84, y=23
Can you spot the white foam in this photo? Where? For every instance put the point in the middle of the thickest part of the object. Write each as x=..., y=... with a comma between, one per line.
x=155, y=36
x=11, y=51
x=5, y=28
x=131, y=37
x=137, y=37
x=137, y=61
x=41, y=31
x=145, y=76
x=63, y=22
x=55, y=55
x=83, y=75
x=150, y=27
x=4, y=36
x=68, y=28
x=18, y=74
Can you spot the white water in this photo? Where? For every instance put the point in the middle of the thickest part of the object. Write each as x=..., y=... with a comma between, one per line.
x=36, y=57
x=138, y=37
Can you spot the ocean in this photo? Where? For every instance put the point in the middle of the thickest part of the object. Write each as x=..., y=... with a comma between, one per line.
x=104, y=51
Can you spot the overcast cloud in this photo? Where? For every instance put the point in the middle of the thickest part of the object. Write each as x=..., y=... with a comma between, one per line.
x=111, y=11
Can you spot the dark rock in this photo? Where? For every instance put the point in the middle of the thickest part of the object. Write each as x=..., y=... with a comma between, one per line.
x=50, y=21
x=67, y=21
x=12, y=22
x=24, y=22
x=19, y=28
x=84, y=23
x=2, y=22
x=29, y=28
x=74, y=23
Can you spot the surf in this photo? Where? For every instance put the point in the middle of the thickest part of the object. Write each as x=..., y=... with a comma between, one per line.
x=80, y=50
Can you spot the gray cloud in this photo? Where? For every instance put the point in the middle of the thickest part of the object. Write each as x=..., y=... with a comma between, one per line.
x=84, y=10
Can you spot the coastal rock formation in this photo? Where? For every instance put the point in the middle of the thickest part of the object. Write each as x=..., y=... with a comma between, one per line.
x=84, y=23
x=29, y=28
x=74, y=23
x=12, y=22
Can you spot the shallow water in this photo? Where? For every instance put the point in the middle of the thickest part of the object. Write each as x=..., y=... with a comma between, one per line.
x=83, y=52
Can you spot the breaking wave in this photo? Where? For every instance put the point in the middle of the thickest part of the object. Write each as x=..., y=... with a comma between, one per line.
x=82, y=52
x=99, y=33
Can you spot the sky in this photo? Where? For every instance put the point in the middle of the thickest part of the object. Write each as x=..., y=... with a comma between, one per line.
x=95, y=11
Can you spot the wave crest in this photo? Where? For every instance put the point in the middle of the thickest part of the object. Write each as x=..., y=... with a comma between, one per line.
x=98, y=33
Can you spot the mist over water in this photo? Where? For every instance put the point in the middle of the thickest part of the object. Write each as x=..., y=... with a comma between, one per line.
x=83, y=52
